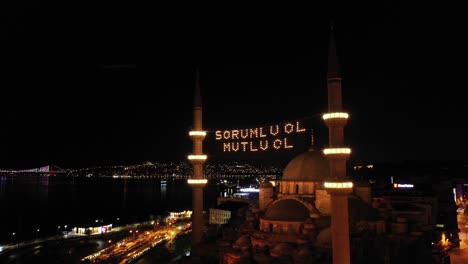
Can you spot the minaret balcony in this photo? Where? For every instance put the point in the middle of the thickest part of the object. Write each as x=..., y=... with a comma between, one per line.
x=338, y=184
x=197, y=159
x=197, y=134
x=197, y=182
x=337, y=151
x=338, y=187
x=336, y=119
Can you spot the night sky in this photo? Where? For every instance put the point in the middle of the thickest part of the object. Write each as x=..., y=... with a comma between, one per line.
x=108, y=84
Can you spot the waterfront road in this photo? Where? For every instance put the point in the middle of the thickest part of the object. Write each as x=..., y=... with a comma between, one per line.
x=69, y=249
x=130, y=249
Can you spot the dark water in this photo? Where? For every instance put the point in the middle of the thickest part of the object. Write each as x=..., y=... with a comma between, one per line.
x=28, y=203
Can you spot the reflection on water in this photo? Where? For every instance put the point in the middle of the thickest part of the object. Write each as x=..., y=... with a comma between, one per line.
x=30, y=202
x=163, y=190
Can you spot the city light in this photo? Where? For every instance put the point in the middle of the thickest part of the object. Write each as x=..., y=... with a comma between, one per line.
x=401, y=185
x=250, y=189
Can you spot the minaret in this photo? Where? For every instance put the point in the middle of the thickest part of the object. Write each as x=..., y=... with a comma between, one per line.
x=198, y=181
x=338, y=186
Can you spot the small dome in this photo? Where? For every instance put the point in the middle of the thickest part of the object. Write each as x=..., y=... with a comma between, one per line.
x=304, y=251
x=266, y=184
x=303, y=255
x=314, y=213
x=287, y=210
x=324, y=238
x=243, y=241
x=282, y=249
x=308, y=166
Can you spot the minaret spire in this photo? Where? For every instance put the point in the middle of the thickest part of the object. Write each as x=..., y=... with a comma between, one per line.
x=333, y=65
x=197, y=97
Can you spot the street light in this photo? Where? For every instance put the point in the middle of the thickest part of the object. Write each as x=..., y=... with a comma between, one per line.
x=37, y=232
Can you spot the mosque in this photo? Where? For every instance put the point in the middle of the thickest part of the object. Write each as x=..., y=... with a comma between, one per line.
x=314, y=213
x=301, y=216
x=292, y=223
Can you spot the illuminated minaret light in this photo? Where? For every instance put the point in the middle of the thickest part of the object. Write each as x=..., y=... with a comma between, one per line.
x=338, y=185
x=197, y=181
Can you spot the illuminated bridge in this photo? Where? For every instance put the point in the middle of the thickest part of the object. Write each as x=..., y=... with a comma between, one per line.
x=48, y=170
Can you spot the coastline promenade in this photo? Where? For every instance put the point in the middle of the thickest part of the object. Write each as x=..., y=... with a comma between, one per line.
x=68, y=248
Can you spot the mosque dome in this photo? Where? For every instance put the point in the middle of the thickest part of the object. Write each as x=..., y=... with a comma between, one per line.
x=308, y=166
x=287, y=210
